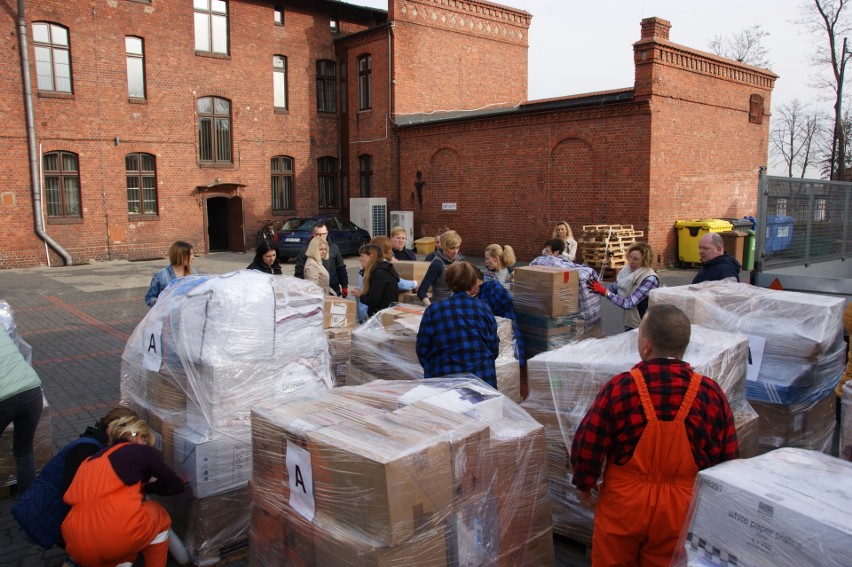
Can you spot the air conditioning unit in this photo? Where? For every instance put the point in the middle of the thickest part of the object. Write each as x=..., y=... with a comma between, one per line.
x=370, y=213
x=405, y=219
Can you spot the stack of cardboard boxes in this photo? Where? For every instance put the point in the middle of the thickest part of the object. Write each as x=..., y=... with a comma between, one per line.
x=797, y=353
x=547, y=306
x=787, y=508
x=210, y=349
x=564, y=383
x=341, y=318
x=385, y=348
x=411, y=270
x=393, y=473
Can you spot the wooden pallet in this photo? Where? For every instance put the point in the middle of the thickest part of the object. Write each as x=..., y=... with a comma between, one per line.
x=226, y=555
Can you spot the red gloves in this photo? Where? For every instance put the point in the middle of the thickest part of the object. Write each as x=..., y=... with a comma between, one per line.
x=597, y=287
x=344, y=291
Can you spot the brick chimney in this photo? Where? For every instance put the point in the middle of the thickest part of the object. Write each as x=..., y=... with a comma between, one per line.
x=656, y=28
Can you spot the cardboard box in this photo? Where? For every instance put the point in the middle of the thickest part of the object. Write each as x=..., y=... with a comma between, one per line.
x=339, y=313
x=808, y=425
x=212, y=465
x=787, y=508
x=411, y=270
x=546, y=290
x=358, y=474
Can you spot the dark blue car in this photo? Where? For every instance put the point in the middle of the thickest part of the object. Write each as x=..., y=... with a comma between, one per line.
x=295, y=233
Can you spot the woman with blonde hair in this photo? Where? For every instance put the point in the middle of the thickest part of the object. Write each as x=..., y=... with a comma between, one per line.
x=436, y=274
x=314, y=270
x=381, y=281
x=180, y=265
x=563, y=232
x=499, y=265
x=110, y=521
x=398, y=237
x=632, y=285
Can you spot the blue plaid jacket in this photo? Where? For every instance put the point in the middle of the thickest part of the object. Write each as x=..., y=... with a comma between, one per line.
x=458, y=335
x=501, y=304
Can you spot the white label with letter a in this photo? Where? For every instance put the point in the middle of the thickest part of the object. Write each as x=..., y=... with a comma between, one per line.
x=301, y=480
x=153, y=347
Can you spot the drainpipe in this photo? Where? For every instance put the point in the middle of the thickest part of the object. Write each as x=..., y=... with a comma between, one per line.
x=35, y=180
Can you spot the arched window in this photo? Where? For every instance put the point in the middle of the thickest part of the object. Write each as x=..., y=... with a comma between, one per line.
x=141, y=174
x=53, y=57
x=327, y=182
x=62, y=184
x=214, y=131
x=282, y=184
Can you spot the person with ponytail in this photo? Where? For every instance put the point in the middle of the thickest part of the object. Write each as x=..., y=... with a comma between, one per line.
x=500, y=265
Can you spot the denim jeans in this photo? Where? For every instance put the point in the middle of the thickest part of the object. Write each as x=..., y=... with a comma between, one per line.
x=24, y=410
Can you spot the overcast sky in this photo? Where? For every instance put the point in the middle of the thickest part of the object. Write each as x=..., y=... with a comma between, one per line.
x=585, y=46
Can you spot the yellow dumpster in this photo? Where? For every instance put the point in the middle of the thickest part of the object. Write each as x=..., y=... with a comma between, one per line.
x=689, y=232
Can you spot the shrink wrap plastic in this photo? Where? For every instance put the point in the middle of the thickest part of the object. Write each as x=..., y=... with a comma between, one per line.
x=787, y=508
x=209, y=349
x=846, y=422
x=385, y=348
x=438, y=472
x=803, y=355
x=563, y=385
x=7, y=322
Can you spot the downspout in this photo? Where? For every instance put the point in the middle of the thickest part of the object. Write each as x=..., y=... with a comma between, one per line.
x=31, y=138
x=392, y=114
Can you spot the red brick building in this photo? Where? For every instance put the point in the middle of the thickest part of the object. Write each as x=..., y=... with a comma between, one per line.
x=154, y=121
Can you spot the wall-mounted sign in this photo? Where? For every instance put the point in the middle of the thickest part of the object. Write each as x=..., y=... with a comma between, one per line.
x=448, y=206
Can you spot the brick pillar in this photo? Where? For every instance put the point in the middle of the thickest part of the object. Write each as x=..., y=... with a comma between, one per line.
x=653, y=30
x=656, y=28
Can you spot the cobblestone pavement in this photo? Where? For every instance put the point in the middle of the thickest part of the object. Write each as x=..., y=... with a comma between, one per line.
x=78, y=319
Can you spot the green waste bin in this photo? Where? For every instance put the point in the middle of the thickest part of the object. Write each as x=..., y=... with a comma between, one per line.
x=748, y=249
x=690, y=232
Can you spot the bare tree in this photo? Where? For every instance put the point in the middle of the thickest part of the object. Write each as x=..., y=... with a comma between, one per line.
x=795, y=136
x=745, y=46
x=828, y=22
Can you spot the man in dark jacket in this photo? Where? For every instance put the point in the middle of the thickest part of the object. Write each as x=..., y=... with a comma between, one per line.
x=338, y=279
x=716, y=264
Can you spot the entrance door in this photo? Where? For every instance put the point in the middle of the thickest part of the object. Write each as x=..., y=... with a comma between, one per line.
x=225, y=224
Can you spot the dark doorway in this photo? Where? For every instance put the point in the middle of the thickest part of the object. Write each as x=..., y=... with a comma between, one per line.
x=225, y=224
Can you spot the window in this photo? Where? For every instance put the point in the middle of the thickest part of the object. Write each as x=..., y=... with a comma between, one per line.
x=53, y=57
x=366, y=169
x=134, y=49
x=334, y=25
x=279, y=81
x=755, y=109
x=282, y=184
x=364, y=82
x=326, y=86
x=61, y=184
x=214, y=130
x=279, y=16
x=327, y=181
x=141, y=171
x=211, y=26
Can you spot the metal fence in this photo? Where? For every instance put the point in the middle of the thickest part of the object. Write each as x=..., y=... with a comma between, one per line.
x=801, y=221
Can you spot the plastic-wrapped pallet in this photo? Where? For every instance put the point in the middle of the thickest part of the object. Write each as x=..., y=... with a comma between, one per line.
x=385, y=348
x=846, y=422
x=564, y=383
x=394, y=473
x=787, y=508
x=803, y=353
x=211, y=348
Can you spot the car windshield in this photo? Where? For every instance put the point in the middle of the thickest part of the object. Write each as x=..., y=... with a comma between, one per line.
x=292, y=224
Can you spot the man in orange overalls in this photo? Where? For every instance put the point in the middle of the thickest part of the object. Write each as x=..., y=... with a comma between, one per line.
x=656, y=426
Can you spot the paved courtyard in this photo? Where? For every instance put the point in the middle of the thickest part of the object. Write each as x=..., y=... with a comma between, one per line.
x=79, y=318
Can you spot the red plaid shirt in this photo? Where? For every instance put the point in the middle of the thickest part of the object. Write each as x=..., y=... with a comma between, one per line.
x=613, y=425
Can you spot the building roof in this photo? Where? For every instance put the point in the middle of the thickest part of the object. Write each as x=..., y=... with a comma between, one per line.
x=585, y=100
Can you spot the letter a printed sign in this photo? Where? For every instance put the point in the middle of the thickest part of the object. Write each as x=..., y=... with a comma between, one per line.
x=301, y=480
x=152, y=350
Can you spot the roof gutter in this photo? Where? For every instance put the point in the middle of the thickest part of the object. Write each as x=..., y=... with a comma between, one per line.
x=31, y=139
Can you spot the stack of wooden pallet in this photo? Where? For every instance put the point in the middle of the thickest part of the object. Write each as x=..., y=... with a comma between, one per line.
x=604, y=244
